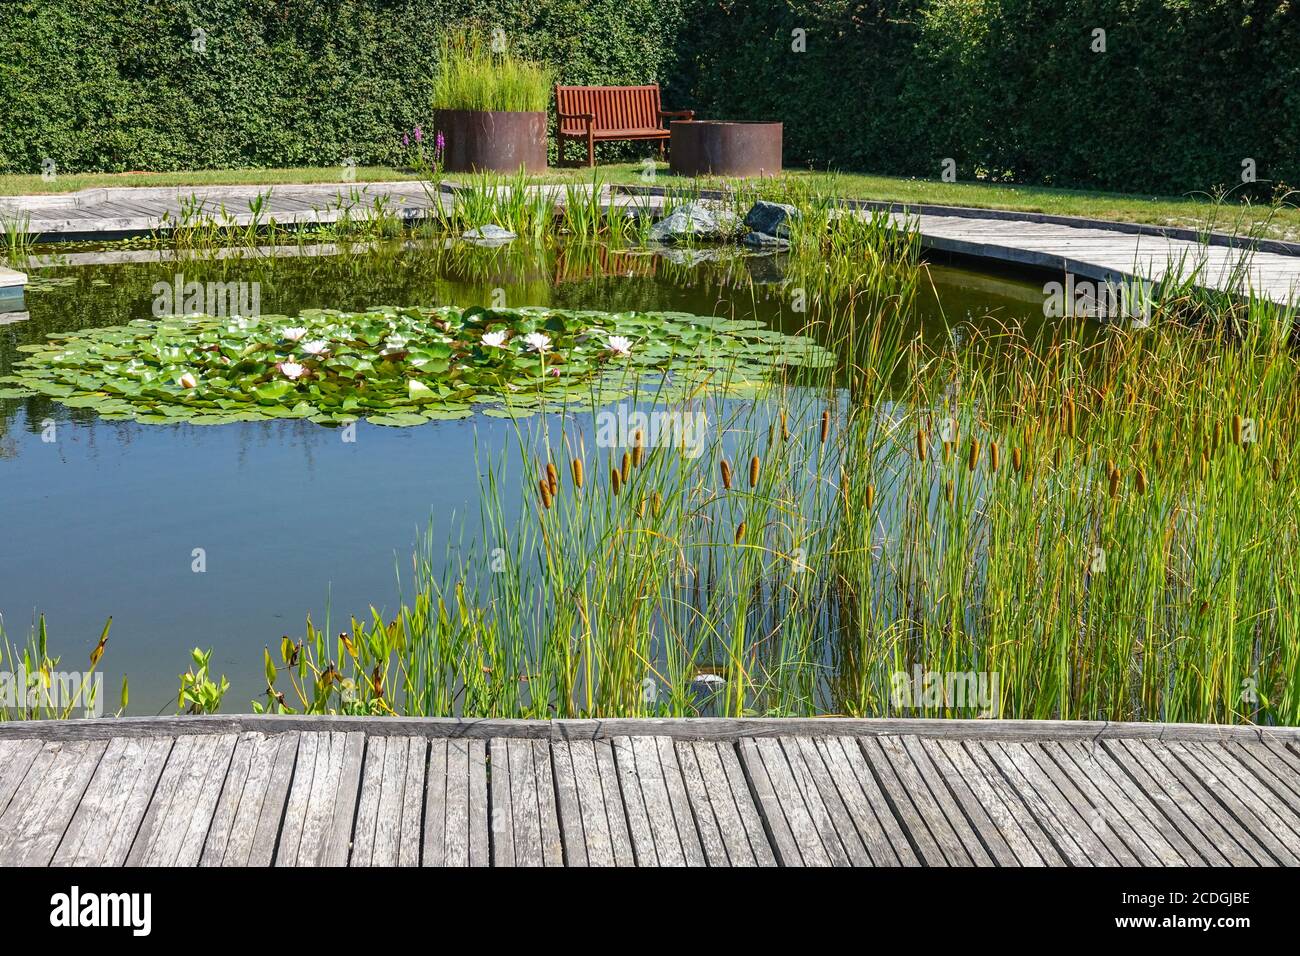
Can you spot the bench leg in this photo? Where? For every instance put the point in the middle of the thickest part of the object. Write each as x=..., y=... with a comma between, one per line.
x=591, y=150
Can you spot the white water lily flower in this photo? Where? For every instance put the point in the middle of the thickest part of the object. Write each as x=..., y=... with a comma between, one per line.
x=188, y=381
x=537, y=341
x=395, y=342
x=494, y=340
x=292, y=370
x=620, y=345
x=294, y=333
x=315, y=347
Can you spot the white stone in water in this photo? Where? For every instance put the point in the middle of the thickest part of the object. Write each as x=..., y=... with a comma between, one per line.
x=489, y=235
x=697, y=220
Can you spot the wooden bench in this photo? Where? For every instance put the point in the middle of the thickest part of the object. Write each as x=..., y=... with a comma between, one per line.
x=599, y=114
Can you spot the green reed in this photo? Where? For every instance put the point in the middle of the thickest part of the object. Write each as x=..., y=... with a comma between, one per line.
x=1104, y=526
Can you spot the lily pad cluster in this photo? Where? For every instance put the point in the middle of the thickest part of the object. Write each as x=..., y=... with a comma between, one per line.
x=397, y=366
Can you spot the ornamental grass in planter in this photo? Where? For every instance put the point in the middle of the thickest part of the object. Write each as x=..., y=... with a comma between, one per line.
x=490, y=106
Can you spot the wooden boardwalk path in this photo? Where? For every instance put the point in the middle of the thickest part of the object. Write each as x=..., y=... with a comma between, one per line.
x=1096, y=251
x=285, y=791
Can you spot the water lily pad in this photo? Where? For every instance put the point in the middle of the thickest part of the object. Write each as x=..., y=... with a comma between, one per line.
x=398, y=366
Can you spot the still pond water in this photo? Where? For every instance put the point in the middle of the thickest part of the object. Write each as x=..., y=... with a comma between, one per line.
x=106, y=518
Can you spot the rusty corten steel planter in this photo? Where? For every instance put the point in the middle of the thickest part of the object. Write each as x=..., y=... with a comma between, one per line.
x=725, y=148
x=497, y=142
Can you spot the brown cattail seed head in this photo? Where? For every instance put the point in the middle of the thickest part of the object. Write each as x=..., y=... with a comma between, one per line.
x=871, y=496
x=974, y=458
x=1236, y=429
x=826, y=425
x=638, y=449
x=785, y=426
x=994, y=456
x=1140, y=479
x=553, y=478
x=656, y=504
x=921, y=444
x=725, y=468
x=740, y=532
x=545, y=490
x=1015, y=460
x=615, y=480
x=1114, y=483
x=753, y=472
x=626, y=469
x=577, y=472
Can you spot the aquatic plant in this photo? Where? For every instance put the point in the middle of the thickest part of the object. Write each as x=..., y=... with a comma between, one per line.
x=394, y=366
x=35, y=686
x=1086, y=527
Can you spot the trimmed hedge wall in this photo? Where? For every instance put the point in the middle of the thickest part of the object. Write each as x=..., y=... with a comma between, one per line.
x=1009, y=89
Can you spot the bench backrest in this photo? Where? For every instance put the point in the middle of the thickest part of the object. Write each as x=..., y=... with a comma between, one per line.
x=614, y=107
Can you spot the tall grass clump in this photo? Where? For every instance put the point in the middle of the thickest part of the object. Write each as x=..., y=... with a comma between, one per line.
x=1089, y=523
x=472, y=76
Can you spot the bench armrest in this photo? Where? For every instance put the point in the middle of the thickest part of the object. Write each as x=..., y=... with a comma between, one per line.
x=677, y=114
x=589, y=118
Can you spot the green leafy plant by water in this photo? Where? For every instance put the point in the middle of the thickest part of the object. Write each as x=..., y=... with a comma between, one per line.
x=395, y=366
x=472, y=75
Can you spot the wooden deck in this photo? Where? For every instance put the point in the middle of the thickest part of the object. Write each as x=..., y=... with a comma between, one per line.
x=284, y=791
x=1097, y=251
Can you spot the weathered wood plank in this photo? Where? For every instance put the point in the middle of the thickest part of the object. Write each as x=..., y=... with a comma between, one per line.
x=475, y=807
x=372, y=790
x=547, y=806
x=32, y=838
x=620, y=836
x=1117, y=810
x=1185, y=813
x=933, y=799
x=16, y=758
x=592, y=804
x=839, y=835
x=939, y=771
x=638, y=814
x=1145, y=815
x=232, y=790
x=789, y=799
x=270, y=814
x=1069, y=836
x=746, y=805
x=525, y=812
x=1072, y=807
x=503, y=824
x=1191, y=790
x=654, y=788
x=870, y=822
x=706, y=818
x=460, y=838
x=435, y=806
x=925, y=844
x=1032, y=845
x=337, y=841
x=234, y=825
x=679, y=801
x=1272, y=825
x=784, y=845
x=570, y=807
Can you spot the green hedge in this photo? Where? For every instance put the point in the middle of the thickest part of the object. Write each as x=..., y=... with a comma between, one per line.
x=1009, y=89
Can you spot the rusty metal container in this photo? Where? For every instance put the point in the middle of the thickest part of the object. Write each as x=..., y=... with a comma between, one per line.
x=725, y=148
x=478, y=140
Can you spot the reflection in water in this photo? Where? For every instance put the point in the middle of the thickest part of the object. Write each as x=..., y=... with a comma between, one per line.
x=102, y=518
